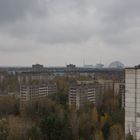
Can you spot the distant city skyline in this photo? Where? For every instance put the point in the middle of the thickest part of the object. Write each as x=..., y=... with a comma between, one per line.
x=59, y=32
x=45, y=65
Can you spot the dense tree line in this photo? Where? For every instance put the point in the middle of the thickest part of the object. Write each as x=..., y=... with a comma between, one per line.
x=52, y=119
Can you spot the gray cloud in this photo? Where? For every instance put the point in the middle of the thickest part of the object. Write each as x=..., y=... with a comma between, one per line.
x=31, y=25
x=13, y=10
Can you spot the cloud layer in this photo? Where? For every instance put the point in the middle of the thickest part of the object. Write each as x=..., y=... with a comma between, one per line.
x=56, y=32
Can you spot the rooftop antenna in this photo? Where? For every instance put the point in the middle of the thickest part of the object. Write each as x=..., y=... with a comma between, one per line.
x=100, y=60
x=83, y=62
x=65, y=63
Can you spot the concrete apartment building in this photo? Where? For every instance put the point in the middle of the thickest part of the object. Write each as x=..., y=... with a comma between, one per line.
x=30, y=76
x=132, y=101
x=108, y=85
x=84, y=91
x=122, y=94
x=36, y=91
x=119, y=89
x=37, y=68
x=114, y=86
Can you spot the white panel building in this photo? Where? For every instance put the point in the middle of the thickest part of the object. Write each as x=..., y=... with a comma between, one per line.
x=132, y=101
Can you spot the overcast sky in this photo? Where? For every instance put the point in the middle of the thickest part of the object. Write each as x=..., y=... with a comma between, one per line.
x=58, y=32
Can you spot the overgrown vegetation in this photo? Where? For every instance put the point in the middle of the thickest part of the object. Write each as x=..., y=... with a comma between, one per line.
x=52, y=119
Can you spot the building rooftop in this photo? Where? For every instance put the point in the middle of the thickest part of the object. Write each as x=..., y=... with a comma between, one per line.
x=135, y=67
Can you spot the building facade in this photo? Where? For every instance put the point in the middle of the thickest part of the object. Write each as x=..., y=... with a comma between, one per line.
x=37, y=68
x=37, y=91
x=119, y=90
x=108, y=85
x=84, y=91
x=132, y=101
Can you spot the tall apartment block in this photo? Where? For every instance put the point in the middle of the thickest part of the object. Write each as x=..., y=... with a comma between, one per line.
x=37, y=68
x=33, y=92
x=119, y=89
x=132, y=101
x=84, y=91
